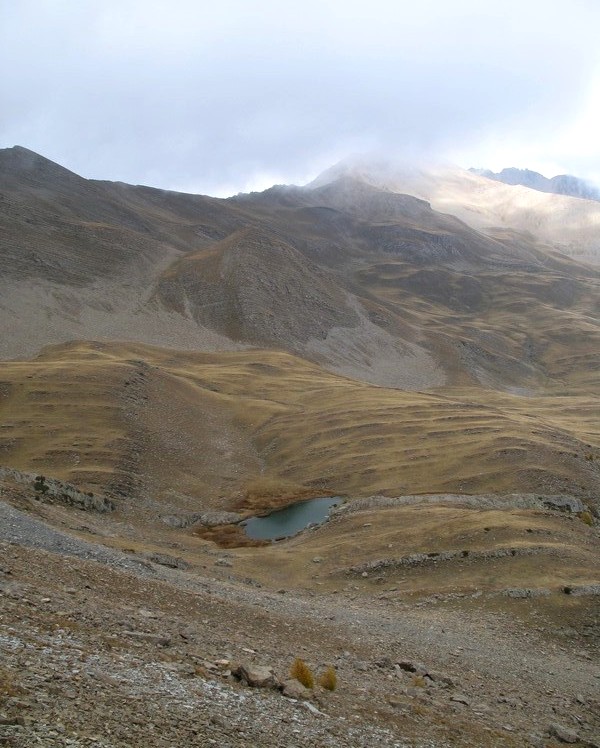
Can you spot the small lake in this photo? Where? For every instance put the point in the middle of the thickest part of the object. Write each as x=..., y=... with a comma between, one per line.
x=286, y=522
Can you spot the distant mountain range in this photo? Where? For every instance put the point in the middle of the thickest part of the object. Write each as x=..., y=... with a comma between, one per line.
x=562, y=184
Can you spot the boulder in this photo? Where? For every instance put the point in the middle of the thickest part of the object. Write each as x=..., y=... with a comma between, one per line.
x=418, y=668
x=526, y=592
x=440, y=678
x=460, y=698
x=563, y=733
x=293, y=689
x=256, y=676
x=564, y=504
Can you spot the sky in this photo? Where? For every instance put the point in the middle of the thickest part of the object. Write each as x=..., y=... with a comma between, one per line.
x=229, y=96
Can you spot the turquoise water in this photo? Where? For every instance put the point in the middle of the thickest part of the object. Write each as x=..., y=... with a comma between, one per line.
x=291, y=520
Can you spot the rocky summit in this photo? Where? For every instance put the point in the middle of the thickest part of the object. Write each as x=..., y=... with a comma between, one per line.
x=421, y=344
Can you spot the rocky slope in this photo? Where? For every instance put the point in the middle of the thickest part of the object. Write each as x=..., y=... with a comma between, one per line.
x=357, y=277
x=106, y=648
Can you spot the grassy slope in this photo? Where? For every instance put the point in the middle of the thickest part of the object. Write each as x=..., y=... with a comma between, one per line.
x=166, y=432
x=552, y=550
x=200, y=430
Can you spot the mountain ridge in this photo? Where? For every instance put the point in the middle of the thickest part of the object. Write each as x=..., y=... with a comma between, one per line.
x=561, y=184
x=362, y=278
x=560, y=222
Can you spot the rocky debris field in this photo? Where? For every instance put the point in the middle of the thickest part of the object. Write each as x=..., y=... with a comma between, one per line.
x=100, y=648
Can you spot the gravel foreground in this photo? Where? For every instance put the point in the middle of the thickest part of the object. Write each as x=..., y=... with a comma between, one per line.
x=99, y=648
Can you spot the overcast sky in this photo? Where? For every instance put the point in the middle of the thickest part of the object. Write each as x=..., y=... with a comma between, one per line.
x=229, y=95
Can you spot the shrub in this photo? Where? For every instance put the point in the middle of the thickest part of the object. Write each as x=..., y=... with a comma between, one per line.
x=586, y=518
x=40, y=484
x=301, y=672
x=328, y=679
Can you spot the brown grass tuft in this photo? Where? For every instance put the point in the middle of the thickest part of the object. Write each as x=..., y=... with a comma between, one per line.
x=302, y=673
x=328, y=679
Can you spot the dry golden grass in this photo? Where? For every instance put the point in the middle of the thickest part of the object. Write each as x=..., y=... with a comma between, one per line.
x=553, y=550
x=587, y=518
x=302, y=673
x=328, y=679
x=256, y=429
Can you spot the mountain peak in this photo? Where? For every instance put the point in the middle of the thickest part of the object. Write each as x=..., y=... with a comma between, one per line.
x=30, y=167
x=561, y=184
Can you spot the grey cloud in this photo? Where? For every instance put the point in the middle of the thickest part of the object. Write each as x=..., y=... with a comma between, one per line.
x=183, y=93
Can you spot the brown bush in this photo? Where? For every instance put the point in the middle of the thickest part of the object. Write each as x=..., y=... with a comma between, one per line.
x=301, y=672
x=328, y=679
